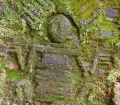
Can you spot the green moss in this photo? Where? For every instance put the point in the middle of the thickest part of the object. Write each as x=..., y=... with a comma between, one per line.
x=85, y=6
x=14, y=74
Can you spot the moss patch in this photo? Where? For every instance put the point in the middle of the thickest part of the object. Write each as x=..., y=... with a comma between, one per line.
x=14, y=74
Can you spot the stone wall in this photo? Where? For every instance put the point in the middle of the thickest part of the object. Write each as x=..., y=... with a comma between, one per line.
x=59, y=52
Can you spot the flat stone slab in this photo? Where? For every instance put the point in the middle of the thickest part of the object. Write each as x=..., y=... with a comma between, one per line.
x=54, y=59
x=107, y=34
x=54, y=78
x=105, y=53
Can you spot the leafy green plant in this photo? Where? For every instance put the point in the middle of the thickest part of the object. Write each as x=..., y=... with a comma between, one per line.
x=68, y=6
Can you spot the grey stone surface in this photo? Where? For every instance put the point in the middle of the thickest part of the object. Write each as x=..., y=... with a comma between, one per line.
x=111, y=12
x=53, y=50
x=54, y=78
x=107, y=34
x=54, y=59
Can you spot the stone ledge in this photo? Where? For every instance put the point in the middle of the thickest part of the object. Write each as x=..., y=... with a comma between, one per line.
x=62, y=51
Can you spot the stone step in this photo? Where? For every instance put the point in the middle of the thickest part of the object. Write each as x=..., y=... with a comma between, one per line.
x=62, y=51
x=105, y=54
x=104, y=59
x=52, y=66
x=103, y=65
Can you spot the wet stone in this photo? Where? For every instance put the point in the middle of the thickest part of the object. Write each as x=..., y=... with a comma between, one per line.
x=107, y=34
x=111, y=13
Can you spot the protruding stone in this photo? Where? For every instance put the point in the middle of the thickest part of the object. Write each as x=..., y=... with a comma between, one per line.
x=59, y=28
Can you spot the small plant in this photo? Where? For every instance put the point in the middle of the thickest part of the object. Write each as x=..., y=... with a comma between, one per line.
x=112, y=77
x=68, y=6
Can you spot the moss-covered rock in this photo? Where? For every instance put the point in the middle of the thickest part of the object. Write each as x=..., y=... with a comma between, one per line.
x=59, y=28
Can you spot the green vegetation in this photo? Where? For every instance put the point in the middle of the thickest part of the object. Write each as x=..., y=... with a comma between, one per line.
x=14, y=74
x=112, y=77
x=2, y=67
x=116, y=1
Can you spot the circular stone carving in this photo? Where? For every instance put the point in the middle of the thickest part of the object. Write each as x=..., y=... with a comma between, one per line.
x=59, y=28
